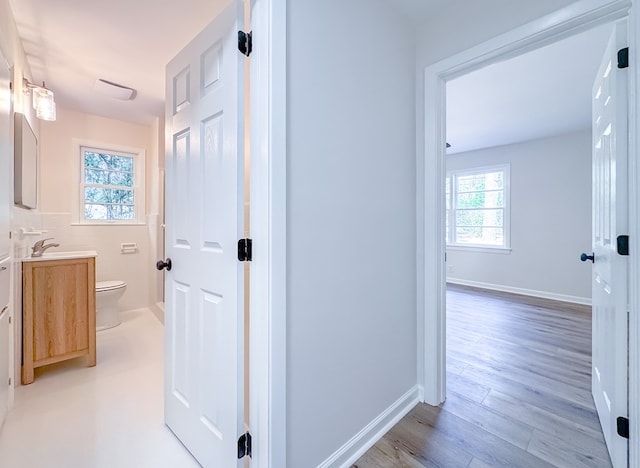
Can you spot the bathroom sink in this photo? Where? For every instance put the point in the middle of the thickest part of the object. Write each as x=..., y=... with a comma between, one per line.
x=61, y=255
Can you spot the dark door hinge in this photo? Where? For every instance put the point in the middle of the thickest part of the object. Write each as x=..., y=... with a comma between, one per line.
x=623, y=245
x=244, y=445
x=245, y=250
x=623, y=58
x=245, y=42
x=623, y=427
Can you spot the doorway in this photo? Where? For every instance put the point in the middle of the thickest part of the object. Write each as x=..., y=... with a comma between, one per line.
x=538, y=33
x=506, y=205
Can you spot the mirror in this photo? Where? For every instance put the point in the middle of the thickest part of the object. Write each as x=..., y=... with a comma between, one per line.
x=25, y=172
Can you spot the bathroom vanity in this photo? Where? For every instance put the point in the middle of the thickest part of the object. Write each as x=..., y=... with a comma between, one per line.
x=59, y=309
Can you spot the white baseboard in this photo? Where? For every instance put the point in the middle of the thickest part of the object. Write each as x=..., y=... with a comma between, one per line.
x=158, y=311
x=526, y=292
x=346, y=455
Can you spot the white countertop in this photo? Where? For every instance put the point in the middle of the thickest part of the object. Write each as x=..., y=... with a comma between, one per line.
x=61, y=255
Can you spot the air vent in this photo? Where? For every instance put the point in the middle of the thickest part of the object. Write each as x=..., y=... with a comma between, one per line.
x=114, y=90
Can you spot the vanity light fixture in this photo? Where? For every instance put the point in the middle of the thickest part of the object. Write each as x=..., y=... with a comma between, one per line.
x=42, y=100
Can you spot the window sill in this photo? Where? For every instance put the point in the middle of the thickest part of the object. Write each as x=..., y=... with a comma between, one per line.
x=107, y=223
x=480, y=249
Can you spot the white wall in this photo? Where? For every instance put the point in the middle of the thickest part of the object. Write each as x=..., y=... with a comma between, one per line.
x=351, y=318
x=20, y=218
x=550, y=219
x=57, y=164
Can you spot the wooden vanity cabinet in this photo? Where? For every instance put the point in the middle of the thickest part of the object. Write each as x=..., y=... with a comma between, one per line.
x=59, y=312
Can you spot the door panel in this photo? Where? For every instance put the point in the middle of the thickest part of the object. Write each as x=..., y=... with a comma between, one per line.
x=609, y=286
x=203, y=323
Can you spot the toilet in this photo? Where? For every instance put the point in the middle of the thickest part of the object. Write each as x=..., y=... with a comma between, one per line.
x=107, y=311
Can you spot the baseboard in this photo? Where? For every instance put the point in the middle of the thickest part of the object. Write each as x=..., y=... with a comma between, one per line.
x=158, y=311
x=346, y=455
x=525, y=292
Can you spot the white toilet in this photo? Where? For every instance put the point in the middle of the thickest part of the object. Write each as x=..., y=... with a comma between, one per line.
x=107, y=311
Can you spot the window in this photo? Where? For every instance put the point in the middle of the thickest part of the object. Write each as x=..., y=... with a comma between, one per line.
x=111, y=186
x=477, y=207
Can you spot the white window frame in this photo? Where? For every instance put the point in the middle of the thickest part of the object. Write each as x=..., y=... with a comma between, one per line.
x=139, y=187
x=453, y=175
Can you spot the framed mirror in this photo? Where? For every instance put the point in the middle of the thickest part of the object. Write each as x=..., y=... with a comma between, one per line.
x=25, y=183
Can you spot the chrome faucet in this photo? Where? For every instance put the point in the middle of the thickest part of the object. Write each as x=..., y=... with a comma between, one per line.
x=39, y=247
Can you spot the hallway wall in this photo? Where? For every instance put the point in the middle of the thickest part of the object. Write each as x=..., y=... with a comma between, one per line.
x=351, y=313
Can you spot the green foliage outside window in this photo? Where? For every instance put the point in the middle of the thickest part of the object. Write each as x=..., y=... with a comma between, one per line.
x=476, y=207
x=108, y=186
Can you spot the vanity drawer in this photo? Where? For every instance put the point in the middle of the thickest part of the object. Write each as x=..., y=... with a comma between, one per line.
x=5, y=268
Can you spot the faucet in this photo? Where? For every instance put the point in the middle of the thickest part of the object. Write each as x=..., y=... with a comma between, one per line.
x=39, y=247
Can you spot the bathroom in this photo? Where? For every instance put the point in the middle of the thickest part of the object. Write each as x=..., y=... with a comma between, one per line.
x=125, y=252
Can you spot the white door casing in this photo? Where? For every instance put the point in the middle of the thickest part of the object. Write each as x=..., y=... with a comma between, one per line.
x=610, y=270
x=203, y=315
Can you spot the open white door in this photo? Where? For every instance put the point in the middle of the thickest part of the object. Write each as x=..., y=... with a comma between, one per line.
x=610, y=329
x=203, y=308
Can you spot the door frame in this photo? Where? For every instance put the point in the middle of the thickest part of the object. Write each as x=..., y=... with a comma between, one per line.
x=579, y=16
x=268, y=194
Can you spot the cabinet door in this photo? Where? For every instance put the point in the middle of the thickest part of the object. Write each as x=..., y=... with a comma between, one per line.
x=59, y=298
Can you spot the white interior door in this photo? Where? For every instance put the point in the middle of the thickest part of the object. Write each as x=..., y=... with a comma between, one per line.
x=203, y=308
x=610, y=330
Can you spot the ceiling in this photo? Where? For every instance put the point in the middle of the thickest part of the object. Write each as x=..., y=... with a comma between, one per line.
x=542, y=93
x=71, y=43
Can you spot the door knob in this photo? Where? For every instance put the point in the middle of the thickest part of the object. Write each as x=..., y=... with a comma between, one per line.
x=584, y=257
x=160, y=265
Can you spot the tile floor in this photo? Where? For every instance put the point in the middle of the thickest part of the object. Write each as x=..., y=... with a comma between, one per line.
x=108, y=416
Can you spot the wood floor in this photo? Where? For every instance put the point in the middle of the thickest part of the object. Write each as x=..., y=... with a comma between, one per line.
x=518, y=390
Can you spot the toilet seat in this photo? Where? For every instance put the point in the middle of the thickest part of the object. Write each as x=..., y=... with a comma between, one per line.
x=109, y=285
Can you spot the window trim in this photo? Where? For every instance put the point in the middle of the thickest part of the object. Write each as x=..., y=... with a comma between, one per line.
x=139, y=188
x=452, y=175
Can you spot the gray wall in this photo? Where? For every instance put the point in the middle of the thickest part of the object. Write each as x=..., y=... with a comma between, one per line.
x=351, y=318
x=550, y=219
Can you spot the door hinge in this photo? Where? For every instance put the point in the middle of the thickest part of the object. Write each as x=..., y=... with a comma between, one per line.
x=623, y=245
x=623, y=427
x=245, y=42
x=623, y=58
x=245, y=250
x=244, y=445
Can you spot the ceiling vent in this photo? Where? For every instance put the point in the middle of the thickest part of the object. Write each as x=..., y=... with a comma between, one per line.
x=115, y=90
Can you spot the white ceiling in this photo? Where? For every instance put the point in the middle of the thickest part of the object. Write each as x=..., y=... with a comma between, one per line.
x=71, y=43
x=540, y=94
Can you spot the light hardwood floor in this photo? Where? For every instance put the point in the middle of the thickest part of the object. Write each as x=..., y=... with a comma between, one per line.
x=518, y=390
